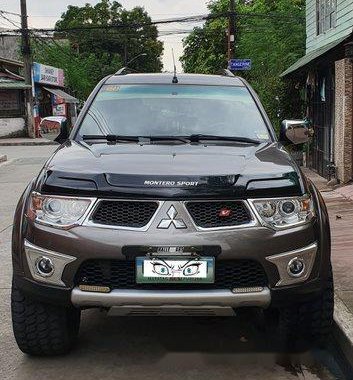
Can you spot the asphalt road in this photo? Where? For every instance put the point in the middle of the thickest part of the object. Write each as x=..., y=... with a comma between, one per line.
x=144, y=348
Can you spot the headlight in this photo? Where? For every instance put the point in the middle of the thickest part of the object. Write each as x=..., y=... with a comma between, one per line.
x=61, y=212
x=284, y=213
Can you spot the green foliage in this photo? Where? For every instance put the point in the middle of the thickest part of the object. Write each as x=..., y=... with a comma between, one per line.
x=271, y=33
x=90, y=54
x=82, y=71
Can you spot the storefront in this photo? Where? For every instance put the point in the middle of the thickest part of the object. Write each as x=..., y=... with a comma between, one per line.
x=50, y=98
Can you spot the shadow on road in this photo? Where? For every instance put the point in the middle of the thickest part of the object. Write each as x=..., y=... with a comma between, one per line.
x=181, y=348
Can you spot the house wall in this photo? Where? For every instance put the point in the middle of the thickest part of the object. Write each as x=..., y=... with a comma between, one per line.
x=10, y=47
x=343, y=119
x=12, y=126
x=12, y=113
x=344, y=25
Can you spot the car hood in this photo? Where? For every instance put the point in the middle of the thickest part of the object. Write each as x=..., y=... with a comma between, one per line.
x=164, y=170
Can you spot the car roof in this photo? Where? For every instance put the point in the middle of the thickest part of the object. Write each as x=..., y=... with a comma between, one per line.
x=187, y=79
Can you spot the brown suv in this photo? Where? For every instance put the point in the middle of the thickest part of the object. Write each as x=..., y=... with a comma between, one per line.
x=170, y=199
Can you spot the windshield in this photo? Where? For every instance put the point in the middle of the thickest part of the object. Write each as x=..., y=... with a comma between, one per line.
x=174, y=110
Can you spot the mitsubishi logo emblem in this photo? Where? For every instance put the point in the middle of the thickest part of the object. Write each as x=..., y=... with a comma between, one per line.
x=172, y=214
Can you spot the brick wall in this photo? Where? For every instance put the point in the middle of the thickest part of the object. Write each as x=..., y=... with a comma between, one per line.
x=343, y=119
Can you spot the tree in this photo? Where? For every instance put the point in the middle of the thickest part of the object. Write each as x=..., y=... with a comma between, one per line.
x=271, y=33
x=82, y=72
x=114, y=37
x=94, y=41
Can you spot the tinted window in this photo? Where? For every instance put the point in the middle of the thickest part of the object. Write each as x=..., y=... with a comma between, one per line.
x=174, y=110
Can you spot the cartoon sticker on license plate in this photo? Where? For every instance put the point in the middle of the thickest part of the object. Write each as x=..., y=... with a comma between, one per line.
x=157, y=267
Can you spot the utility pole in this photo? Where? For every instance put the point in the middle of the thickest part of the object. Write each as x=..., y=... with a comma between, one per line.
x=27, y=61
x=231, y=30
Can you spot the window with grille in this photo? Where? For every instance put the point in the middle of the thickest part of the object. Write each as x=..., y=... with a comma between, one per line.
x=326, y=15
x=11, y=103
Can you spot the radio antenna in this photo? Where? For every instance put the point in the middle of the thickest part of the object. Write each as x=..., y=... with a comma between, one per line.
x=175, y=78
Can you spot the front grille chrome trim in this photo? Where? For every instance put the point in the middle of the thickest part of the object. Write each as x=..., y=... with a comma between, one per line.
x=90, y=223
x=253, y=223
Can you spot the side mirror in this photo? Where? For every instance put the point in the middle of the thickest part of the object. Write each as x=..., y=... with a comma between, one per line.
x=54, y=128
x=295, y=132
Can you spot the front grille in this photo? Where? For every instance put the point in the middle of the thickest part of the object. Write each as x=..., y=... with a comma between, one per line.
x=121, y=275
x=134, y=214
x=207, y=214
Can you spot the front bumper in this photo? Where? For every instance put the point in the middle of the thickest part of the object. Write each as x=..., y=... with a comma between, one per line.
x=256, y=297
x=172, y=302
x=89, y=243
x=216, y=300
x=60, y=261
x=67, y=296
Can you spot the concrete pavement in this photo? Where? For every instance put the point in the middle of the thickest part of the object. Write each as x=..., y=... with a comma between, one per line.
x=340, y=206
x=147, y=348
x=25, y=141
x=339, y=202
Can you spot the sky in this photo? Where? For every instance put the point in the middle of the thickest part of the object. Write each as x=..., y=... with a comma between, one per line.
x=44, y=14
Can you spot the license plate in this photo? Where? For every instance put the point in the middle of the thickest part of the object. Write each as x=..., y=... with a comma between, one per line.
x=161, y=270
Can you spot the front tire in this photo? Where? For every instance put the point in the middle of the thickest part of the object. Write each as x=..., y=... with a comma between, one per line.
x=42, y=329
x=308, y=323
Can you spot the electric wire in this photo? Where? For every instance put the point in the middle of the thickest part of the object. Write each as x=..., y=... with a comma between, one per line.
x=190, y=19
x=16, y=25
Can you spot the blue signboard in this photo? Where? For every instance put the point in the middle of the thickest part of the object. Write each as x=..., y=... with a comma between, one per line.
x=48, y=75
x=239, y=64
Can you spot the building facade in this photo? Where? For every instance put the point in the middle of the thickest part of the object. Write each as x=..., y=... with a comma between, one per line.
x=49, y=97
x=12, y=99
x=325, y=72
x=10, y=46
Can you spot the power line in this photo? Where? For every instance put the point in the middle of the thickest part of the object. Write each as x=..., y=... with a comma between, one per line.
x=189, y=19
x=2, y=14
x=121, y=33
x=10, y=13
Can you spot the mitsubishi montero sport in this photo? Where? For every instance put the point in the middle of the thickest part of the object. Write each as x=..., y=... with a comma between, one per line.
x=170, y=196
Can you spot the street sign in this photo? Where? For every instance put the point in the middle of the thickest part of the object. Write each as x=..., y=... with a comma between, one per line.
x=239, y=64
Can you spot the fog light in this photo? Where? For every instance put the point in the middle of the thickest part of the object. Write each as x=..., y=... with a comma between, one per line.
x=45, y=266
x=296, y=267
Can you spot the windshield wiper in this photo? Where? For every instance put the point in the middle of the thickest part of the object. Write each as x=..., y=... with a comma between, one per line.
x=142, y=139
x=111, y=138
x=184, y=139
x=200, y=137
x=168, y=138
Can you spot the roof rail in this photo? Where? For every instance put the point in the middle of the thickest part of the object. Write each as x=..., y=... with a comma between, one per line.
x=122, y=71
x=125, y=70
x=226, y=73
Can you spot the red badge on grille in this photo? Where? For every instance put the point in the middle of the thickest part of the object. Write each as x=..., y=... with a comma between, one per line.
x=225, y=213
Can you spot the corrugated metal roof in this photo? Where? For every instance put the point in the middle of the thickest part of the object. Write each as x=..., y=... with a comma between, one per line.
x=312, y=56
x=11, y=62
x=8, y=84
x=62, y=94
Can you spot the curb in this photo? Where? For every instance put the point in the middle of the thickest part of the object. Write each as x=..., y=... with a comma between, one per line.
x=26, y=143
x=343, y=328
x=3, y=158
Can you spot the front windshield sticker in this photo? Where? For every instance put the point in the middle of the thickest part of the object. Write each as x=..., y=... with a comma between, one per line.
x=262, y=136
x=111, y=88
